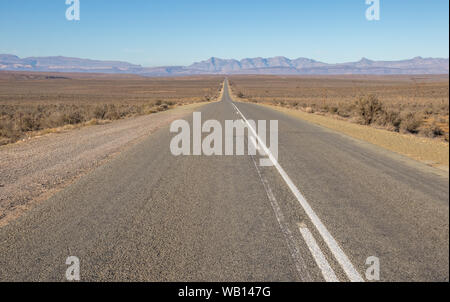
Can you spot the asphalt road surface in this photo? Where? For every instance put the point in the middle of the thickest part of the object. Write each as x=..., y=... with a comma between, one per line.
x=327, y=207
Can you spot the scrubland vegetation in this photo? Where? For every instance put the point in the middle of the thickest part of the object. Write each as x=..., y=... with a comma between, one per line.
x=31, y=102
x=417, y=105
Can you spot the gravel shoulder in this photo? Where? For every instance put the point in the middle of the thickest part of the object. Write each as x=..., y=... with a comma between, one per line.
x=33, y=170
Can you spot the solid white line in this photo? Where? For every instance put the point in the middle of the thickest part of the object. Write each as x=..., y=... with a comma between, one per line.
x=338, y=253
x=327, y=272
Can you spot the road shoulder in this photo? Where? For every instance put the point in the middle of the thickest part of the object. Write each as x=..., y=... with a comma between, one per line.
x=34, y=170
x=424, y=151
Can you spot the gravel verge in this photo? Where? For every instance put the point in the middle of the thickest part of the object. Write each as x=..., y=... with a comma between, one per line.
x=33, y=170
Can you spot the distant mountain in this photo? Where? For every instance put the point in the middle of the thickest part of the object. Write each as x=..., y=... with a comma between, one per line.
x=64, y=64
x=257, y=65
x=275, y=66
x=304, y=66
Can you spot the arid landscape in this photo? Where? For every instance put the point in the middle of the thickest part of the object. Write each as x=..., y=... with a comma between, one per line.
x=407, y=104
x=217, y=150
x=115, y=193
x=31, y=102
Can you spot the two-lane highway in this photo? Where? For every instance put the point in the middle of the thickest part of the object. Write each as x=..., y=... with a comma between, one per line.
x=148, y=215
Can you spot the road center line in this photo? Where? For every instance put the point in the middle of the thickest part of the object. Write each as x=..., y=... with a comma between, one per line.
x=293, y=248
x=327, y=272
x=332, y=244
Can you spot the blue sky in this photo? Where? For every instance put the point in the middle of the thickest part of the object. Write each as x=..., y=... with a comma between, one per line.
x=179, y=32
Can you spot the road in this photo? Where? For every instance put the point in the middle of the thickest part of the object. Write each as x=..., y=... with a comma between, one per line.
x=329, y=204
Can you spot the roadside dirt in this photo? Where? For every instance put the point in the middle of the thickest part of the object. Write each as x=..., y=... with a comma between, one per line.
x=429, y=151
x=33, y=170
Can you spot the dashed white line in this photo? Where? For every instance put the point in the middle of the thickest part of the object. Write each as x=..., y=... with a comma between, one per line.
x=332, y=244
x=293, y=248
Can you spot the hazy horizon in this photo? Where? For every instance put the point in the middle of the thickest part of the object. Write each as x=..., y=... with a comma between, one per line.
x=236, y=59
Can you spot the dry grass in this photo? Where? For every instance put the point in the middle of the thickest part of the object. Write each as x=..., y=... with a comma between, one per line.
x=31, y=102
x=432, y=152
x=407, y=104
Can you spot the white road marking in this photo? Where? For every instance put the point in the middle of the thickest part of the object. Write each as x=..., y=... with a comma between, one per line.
x=332, y=244
x=327, y=272
x=292, y=246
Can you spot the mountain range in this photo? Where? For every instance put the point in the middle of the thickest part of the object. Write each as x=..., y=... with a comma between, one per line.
x=267, y=66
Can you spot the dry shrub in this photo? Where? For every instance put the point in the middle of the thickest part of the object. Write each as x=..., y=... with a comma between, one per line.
x=15, y=121
x=368, y=109
x=100, y=111
x=411, y=123
x=333, y=109
x=74, y=117
x=163, y=107
x=8, y=133
x=28, y=122
x=431, y=130
x=345, y=110
x=53, y=120
x=390, y=119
